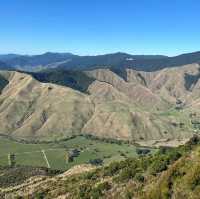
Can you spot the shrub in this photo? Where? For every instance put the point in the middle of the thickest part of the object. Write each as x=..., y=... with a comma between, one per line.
x=174, y=155
x=84, y=191
x=112, y=169
x=91, y=175
x=95, y=194
x=17, y=197
x=122, y=154
x=158, y=166
x=139, y=177
x=128, y=195
x=194, y=179
x=163, y=150
x=12, y=161
x=96, y=161
x=103, y=186
x=126, y=174
x=142, y=151
x=193, y=141
x=40, y=195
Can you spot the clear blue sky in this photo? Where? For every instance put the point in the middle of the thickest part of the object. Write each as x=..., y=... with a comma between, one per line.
x=100, y=26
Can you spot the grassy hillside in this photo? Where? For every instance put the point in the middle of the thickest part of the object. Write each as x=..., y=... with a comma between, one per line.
x=108, y=107
x=28, y=106
x=143, y=107
x=169, y=173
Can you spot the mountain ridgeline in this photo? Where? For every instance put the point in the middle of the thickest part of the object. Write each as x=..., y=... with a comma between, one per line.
x=146, y=107
x=147, y=99
x=115, y=60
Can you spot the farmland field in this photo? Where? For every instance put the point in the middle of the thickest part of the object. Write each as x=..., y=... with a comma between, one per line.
x=33, y=154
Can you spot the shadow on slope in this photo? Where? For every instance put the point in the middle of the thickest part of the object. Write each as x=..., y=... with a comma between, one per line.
x=3, y=83
x=191, y=80
x=77, y=80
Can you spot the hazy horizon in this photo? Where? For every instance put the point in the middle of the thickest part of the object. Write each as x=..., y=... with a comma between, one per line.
x=26, y=54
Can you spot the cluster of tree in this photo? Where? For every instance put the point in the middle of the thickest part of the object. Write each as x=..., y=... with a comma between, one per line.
x=96, y=161
x=11, y=160
x=107, y=140
x=12, y=176
x=134, y=168
x=72, y=154
x=142, y=151
x=87, y=191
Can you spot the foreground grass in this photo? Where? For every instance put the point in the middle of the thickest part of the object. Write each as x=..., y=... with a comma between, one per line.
x=169, y=173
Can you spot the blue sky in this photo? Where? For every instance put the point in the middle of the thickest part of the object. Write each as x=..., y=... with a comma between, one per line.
x=89, y=27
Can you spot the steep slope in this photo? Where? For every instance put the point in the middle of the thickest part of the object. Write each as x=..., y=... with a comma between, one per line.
x=135, y=90
x=180, y=180
x=110, y=108
x=30, y=109
x=160, y=88
x=172, y=84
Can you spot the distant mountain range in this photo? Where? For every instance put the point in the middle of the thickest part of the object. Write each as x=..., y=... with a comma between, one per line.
x=35, y=62
x=8, y=57
x=116, y=61
x=4, y=66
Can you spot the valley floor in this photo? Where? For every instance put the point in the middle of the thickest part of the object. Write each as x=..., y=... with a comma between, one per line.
x=54, y=155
